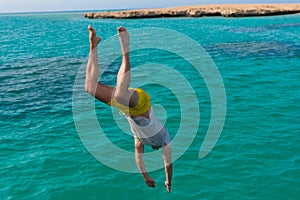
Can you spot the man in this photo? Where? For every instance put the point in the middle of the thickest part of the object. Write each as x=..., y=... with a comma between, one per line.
x=134, y=103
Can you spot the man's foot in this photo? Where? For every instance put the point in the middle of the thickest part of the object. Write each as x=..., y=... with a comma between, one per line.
x=124, y=39
x=94, y=39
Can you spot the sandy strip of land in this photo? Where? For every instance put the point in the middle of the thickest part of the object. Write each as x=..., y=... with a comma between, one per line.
x=225, y=10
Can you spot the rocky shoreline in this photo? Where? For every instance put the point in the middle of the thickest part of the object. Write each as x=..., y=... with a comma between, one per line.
x=225, y=10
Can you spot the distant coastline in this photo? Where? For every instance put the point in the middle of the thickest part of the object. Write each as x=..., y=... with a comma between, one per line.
x=225, y=10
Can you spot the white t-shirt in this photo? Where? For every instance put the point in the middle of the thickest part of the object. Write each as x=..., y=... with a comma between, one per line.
x=149, y=130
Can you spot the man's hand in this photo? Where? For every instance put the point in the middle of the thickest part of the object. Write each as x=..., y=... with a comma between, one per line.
x=150, y=182
x=168, y=186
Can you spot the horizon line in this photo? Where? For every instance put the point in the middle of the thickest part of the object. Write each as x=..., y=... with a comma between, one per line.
x=118, y=9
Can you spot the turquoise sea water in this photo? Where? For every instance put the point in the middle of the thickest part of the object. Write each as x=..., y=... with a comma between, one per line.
x=256, y=157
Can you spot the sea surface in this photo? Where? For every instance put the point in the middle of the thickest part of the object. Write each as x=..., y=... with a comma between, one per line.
x=257, y=156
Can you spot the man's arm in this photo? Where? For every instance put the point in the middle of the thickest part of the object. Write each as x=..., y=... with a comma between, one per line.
x=167, y=154
x=139, y=152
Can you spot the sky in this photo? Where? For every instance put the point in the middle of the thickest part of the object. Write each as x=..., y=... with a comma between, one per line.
x=7, y=6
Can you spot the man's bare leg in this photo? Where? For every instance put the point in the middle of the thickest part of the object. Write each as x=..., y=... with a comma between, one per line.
x=98, y=90
x=122, y=94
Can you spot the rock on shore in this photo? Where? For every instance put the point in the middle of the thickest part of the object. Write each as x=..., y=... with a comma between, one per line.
x=228, y=10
